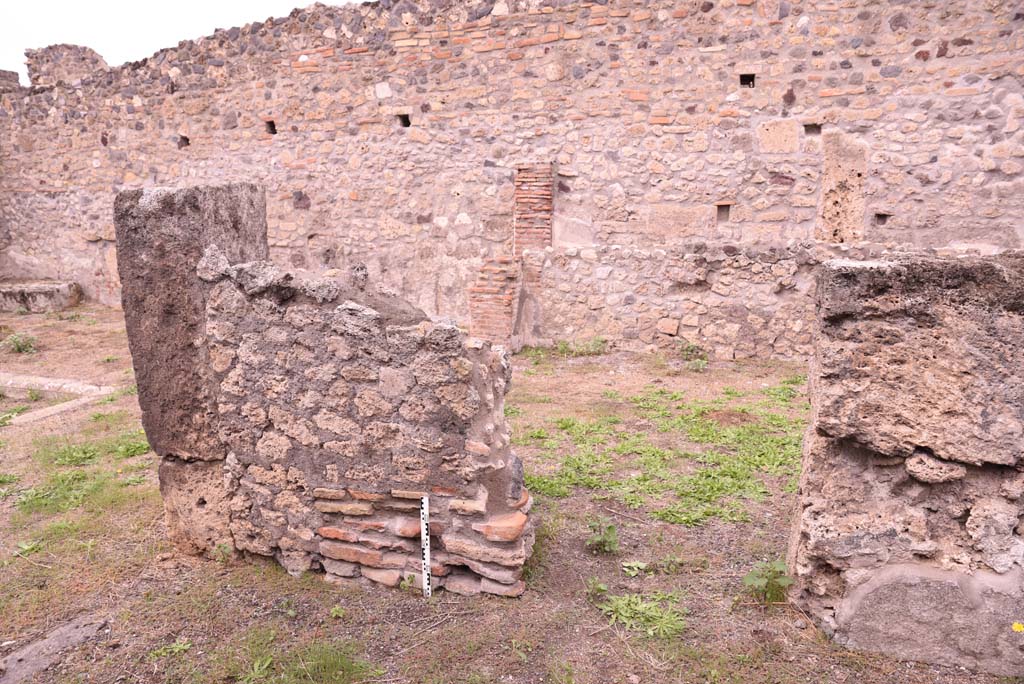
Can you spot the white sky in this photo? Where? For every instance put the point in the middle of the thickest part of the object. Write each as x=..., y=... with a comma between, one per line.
x=123, y=30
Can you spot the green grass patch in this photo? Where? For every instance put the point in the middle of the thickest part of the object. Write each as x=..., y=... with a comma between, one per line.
x=129, y=391
x=111, y=419
x=593, y=347
x=62, y=491
x=740, y=445
x=58, y=451
x=261, y=658
x=656, y=615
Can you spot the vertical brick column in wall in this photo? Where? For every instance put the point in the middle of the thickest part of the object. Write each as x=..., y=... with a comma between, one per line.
x=534, y=189
x=492, y=300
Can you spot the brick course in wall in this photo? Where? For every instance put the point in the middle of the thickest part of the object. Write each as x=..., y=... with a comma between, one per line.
x=493, y=300
x=533, y=209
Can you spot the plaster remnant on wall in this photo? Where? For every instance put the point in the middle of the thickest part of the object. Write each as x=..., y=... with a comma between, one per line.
x=841, y=205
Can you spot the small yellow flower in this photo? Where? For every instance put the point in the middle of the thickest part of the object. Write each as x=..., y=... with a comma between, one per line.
x=1017, y=627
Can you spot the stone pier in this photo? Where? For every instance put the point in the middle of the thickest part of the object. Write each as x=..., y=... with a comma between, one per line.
x=909, y=535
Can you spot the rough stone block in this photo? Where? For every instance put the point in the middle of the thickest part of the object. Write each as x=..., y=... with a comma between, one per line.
x=196, y=504
x=924, y=356
x=161, y=236
x=38, y=296
x=779, y=137
x=908, y=540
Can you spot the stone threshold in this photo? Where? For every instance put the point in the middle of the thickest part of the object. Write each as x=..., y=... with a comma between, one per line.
x=88, y=394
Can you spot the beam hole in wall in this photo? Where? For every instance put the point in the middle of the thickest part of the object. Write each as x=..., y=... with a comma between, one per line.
x=183, y=141
x=403, y=120
x=882, y=219
x=271, y=127
x=723, y=213
x=747, y=80
x=812, y=129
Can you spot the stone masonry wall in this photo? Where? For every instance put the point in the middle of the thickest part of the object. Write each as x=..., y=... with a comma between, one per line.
x=735, y=302
x=323, y=408
x=389, y=133
x=9, y=80
x=910, y=534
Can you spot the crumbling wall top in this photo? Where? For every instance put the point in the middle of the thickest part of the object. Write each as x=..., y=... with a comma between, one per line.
x=68, y=64
x=9, y=81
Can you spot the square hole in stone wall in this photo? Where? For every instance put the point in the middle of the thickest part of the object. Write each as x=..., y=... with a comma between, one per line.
x=403, y=120
x=812, y=129
x=723, y=213
x=882, y=219
x=183, y=141
x=271, y=127
x=747, y=80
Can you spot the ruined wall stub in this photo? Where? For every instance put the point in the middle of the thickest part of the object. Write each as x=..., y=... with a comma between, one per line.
x=909, y=536
x=322, y=409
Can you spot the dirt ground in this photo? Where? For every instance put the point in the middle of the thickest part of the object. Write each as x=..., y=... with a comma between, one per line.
x=681, y=475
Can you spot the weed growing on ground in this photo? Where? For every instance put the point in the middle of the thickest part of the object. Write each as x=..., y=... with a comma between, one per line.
x=688, y=351
x=512, y=411
x=75, y=455
x=561, y=673
x=335, y=662
x=177, y=648
x=58, y=451
x=127, y=445
x=7, y=478
x=27, y=548
x=636, y=568
x=131, y=390
x=21, y=344
x=604, y=536
x=34, y=394
x=521, y=650
x=767, y=582
x=7, y=416
x=697, y=365
x=545, y=534
x=593, y=347
x=596, y=588
x=656, y=615
x=102, y=419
